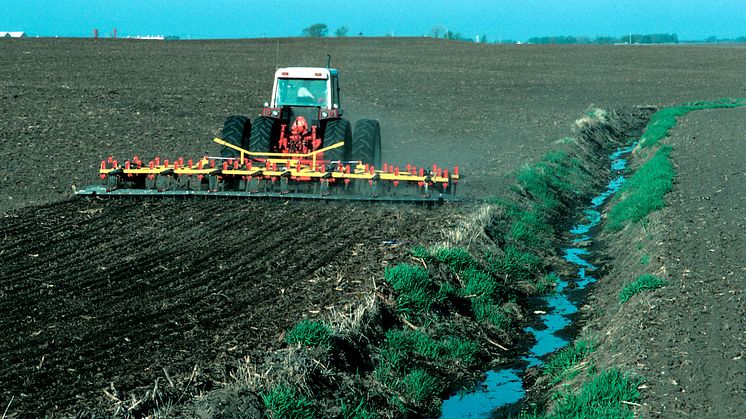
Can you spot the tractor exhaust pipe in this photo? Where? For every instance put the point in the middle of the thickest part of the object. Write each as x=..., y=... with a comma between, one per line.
x=328, y=61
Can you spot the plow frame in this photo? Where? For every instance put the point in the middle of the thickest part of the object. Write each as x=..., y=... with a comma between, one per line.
x=267, y=175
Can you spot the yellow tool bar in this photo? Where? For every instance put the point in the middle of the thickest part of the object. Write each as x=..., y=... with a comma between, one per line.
x=243, y=152
x=292, y=167
x=303, y=172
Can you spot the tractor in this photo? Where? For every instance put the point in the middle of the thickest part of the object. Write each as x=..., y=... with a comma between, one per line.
x=305, y=115
x=299, y=147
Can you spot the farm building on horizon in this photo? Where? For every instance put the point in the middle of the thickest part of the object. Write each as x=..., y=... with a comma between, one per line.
x=155, y=37
x=4, y=34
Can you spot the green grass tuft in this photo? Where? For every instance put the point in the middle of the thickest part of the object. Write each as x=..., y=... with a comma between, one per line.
x=485, y=309
x=601, y=397
x=531, y=230
x=557, y=173
x=643, y=193
x=547, y=283
x=416, y=292
x=421, y=252
x=310, y=333
x=456, y=258
x=516, y=264
x=478, y=284
x=642, y=283
x=481, y=286
x=645, y=259
x=360, y=411
x=283, y=401
x=419, y=387
x=401, y=345
x=403, y=359
x=563, y=364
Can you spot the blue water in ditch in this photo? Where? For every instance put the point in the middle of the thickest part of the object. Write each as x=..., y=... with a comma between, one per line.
x=504, y=387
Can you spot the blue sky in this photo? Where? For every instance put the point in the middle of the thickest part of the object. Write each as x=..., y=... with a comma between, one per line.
x=519, y=20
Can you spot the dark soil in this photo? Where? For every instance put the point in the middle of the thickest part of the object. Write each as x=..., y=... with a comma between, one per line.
x=105, y=295
x=98, y=294
x=688, y=339
x=68, y=103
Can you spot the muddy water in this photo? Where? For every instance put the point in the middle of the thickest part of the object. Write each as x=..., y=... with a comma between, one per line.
x=502, y=390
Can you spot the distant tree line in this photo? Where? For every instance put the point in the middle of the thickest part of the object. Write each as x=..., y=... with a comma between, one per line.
x=716, y=40
x=658, y=38
x=318, y=30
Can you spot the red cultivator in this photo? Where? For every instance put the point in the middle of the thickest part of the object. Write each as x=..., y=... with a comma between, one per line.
x=254, y=174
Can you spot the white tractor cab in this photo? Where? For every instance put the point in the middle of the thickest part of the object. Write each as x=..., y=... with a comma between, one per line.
x=306, y=86
x=304, y=115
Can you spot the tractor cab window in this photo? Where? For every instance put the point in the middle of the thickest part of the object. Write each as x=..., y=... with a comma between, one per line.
x=302, y=92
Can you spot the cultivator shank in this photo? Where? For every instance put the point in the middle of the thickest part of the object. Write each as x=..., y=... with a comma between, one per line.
x=261, y=174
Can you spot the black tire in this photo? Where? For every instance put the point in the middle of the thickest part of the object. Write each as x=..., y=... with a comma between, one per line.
x=366, y=142
x=264, y=134
x=335, y=131
x=236, y=131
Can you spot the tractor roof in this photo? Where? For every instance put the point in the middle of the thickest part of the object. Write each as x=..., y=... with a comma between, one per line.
x=305, y=72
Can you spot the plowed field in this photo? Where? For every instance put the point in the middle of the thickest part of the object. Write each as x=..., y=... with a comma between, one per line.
x=97, y=294
x=66, y=104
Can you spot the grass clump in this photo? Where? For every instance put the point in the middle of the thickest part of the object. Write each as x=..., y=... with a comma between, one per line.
x=401, y=346
x=531, y=230
x=602, y=396
x=563, y=365
x=404, y=359
x=516, y=264
x=662, y=121
x=643, y=192
x=547, y=283
x=480, y=286
x=283, y=401
x=478, y=283
x=359, y=411
x=310, y=333
x=556, y=174
x=416, y=292
x=457, y=259
x=642, y=283
x=418, y=386
x=486, y=309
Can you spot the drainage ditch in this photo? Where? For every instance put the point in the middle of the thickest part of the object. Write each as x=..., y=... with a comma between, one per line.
x=502, y=391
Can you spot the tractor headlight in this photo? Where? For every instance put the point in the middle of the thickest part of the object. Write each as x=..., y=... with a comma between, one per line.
x=275, y=112
x=324, y=114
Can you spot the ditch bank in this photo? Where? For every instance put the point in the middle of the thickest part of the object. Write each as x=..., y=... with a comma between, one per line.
x=660, y=334
x=441, y=315
x=503, y=391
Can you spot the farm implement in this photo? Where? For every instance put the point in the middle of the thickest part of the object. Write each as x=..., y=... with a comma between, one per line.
x=267, y=175
x=299, y=147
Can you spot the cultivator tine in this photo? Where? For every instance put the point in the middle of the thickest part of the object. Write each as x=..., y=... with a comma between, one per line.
x=374, y=192
x=284, y=183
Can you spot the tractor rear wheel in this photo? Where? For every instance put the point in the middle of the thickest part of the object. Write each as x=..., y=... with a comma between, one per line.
x=338, y=130
x=264, y=134
x=366, y=142
x=236, y=131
